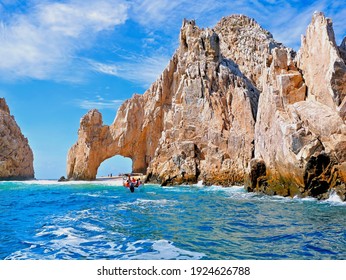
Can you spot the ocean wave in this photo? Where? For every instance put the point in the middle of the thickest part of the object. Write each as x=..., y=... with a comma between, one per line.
x=159, y=250
x=146, y=203
x=334, y=199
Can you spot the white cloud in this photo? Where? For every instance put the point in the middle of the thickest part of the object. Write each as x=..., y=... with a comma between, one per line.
x=44, y=38
x=76, y=18
x=138, y=69
x=109, y=69
x=149, y=12
x=287, y=20
x=99, y=103
x=43, y=42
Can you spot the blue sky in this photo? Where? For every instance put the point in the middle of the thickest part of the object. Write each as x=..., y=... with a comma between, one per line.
x=58, y=59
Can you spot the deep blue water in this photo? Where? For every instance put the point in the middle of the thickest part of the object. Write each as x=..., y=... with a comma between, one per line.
x=47, y=220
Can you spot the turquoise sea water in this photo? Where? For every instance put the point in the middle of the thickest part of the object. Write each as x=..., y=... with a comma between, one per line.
x=47, y=220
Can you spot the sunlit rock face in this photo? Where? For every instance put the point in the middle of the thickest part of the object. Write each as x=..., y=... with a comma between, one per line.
x=300, y=133
x=233, y=106
x=196, y=122
x=16, y=157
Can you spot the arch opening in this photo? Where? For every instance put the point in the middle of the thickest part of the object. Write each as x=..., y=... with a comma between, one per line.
x=114, y=166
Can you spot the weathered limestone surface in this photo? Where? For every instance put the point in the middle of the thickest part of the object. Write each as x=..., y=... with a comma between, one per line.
x=196, y=122
x=245, y=42
x=300, y=133
x=234, y=105
x=319, y=59
x=16, y=157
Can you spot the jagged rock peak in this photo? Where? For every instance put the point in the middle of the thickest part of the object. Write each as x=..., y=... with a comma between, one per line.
x=3, y=106
x=342, y=49
x=198, y=43
x=16, y=157
x=245, y=42
x=300, y=132
x=319, y=59
x=242, y=23
x=195, y=122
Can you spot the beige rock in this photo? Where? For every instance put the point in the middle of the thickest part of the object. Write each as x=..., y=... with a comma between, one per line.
x=195, y=122
x=245, y=42
x=319, y=59
x=16, y=157
x=204, y=119
x=297, y=135
x=342, y=49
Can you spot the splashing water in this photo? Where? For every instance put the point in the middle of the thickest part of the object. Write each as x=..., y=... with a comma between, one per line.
x=100, y=220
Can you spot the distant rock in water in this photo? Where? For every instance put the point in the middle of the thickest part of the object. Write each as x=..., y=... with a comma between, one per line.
x=62, y=179
x=16, y=157
x=234, y=106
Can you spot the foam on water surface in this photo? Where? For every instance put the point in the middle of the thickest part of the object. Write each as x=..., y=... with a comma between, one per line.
x=97, y=221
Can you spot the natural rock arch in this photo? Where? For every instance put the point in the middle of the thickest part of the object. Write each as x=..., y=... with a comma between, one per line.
x=114, y=166
x=98, y=142
x=195, y=122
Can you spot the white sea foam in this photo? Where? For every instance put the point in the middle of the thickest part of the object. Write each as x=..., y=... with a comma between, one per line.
x=161, y=249
x=334, y=199
x=200, y=183
x=146, y=203
x=155, y=201
x=91, y=227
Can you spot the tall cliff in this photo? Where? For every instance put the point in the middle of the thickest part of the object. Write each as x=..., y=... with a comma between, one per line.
x=234, y=105
x=16, y=157
x=300, y=140
x=195, y=122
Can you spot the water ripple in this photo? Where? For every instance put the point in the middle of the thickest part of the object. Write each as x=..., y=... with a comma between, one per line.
x=90, y=221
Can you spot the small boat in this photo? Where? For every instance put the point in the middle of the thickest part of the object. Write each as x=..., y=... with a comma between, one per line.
x=132, y=184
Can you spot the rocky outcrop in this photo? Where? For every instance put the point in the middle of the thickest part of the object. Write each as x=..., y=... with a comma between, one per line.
x=342, y=49
x=16, y=157
x=300, y=133
x=234, y=105
x=245, y=42
x=196, y=122
x=323, y=68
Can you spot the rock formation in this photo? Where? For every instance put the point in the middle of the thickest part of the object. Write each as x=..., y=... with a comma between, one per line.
x=16, y=157
x=195, y=122
x=234, y=105
x=323, y=68
x=300, y=133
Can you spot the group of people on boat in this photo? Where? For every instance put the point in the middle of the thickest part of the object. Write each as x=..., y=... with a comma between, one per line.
x=133, y=183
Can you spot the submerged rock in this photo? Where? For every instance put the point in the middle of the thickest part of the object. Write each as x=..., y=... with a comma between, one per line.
x=16, y=157
x=62, y=179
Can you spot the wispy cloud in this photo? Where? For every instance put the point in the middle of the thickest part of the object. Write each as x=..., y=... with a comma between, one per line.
x=285, y=19
x=109, y=69
x=43, y=42
x=138, y=69
x=99, y=103
x=44, y=38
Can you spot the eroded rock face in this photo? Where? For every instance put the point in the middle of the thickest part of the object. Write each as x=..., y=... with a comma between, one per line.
x=233, y=105
x=300, y=124
x=323, y=68
x=16, y=157
x=245, y=42
x=196, y=122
